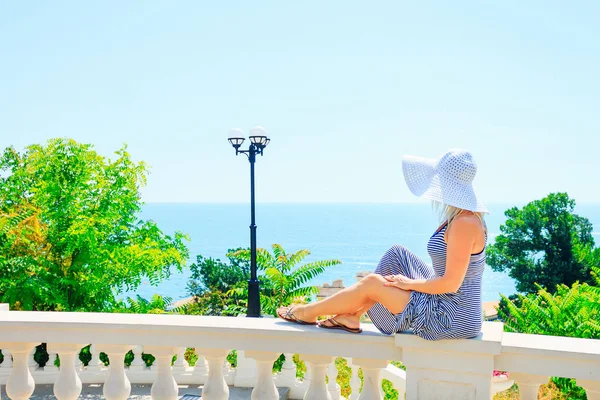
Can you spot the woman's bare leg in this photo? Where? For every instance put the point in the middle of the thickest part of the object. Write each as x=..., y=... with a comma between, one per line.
x=350, y=300
x=351, y=320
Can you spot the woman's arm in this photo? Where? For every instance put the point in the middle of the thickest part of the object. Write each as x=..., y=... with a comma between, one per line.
x=461, y=238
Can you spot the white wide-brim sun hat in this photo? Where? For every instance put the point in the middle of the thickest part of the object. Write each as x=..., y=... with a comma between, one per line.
x=447, y=180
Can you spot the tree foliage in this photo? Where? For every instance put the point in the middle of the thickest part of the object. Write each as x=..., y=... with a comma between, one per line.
x=283, y=279
x=211, y=283
x=70, y=234
x=221, y=288
x=572, y=311
x=545, y=243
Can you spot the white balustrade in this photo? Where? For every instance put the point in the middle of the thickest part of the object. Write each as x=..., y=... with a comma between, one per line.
x=68, y=384
x=181, y=363
x=200, y=372
x=354, y=381
x=247, y=373
x=446, y=369
x=335, y=391
x=137, y=364
x=265, y=385
x=318, y=371
x=215, y=387
x=529, y=385
x=95, y=364
x=117, y=385
x=20, y=385
x=32, y=364
x=164, y=387
x=51, y=364
x=287, y=376
x=8, y=362
x=371, y=377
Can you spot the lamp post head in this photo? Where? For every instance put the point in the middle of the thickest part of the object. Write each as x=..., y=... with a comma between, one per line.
x=236, y=138
x=258, y=137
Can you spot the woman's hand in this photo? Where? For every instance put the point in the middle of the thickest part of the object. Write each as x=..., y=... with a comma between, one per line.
x=398, y=281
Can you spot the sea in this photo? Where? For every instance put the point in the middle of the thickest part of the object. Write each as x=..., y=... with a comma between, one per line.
x=355, y=234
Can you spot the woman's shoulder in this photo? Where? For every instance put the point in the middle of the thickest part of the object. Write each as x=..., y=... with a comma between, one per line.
x=468, y=223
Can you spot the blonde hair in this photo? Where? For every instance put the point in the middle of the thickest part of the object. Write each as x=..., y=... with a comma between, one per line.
x=449, y=213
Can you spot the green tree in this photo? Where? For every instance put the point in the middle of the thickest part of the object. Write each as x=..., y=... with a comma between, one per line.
x=545, y=243
x=282, y=279
x=156, y=305
x=211, y=283
x=70, y=235
x=571, y=311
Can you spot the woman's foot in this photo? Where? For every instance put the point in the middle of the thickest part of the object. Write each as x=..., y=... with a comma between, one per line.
x=295, y=314
x=347, y=322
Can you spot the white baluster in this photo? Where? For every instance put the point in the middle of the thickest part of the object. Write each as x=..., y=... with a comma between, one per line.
x=50, y=365
x=334, y=389
x=138, y=363
x=8, y=362
x=68, y=384
x=287, y=377
x=116, y=386
x=78, y=362
x=592, y=388
x=95, y=363
x=201, y=369
x=215, y=387
x=318, y=370
x=354, y=381
x=246, y=372
x=32, y=364
x=181, y=363
x=20, y=385
x=265, y=386
x=529, y=385
x=164, y=387
x=228, y=373
x=371, y=377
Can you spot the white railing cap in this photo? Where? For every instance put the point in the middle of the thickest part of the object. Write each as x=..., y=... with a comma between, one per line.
x=551, y=346
x=265, y=334
x=489, y=341
x=4, y=307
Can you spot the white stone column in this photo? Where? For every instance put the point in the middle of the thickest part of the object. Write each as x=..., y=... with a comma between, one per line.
x=137, y=364
x=215, y=387
x=287, y=376
x=68, y=384
x=265, y=386
x=246, y=373
x=95, y=363
x=164, y=387
x=200, y=369
x=334, y=389
x=181, y=363
x=7, y=362
x=20, y=384
x=529, y=385
x=371, y=377
x=117, y=385
x=32, y=364
x=318, y=370
x=354, y=381
x=592, y=388
x=459, y=369
x=50, y=365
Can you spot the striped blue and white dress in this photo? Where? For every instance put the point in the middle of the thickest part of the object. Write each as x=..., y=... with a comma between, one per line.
x=432, y=316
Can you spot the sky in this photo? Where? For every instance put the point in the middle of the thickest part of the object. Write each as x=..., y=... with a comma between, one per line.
x=344, y=88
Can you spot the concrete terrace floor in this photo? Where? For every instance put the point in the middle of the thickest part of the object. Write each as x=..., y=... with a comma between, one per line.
x=139, y=392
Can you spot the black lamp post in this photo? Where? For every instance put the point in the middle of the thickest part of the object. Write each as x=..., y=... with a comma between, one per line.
x=258, y=142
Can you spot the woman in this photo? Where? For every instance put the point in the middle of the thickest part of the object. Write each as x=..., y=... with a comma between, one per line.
x=436, y=302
